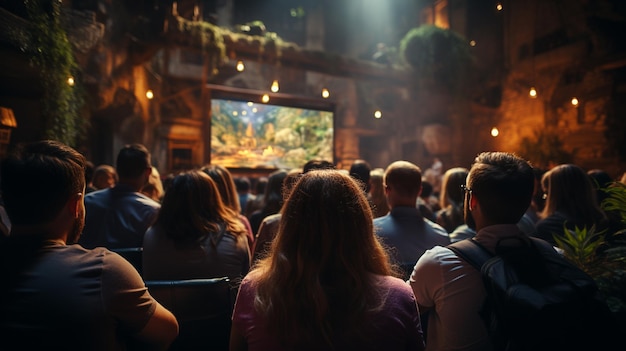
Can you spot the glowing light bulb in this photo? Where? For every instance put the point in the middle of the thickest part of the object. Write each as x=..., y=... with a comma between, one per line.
x=495, y=132
x=532, y=92
x=149, y=94
x=275, y=86
x=240, y=66
x=574, y=101
x=499, y=6
x=265, y=98
x=325, y=93
x=472, y=42
x=70, y=81
x=378, y=114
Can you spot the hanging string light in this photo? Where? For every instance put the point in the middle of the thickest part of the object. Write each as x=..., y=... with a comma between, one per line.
x=275, y=87
x=532, y=92
x=325, y=93
x=240, y=66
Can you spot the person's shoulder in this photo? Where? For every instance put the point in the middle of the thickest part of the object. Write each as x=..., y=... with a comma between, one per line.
x=436, y=227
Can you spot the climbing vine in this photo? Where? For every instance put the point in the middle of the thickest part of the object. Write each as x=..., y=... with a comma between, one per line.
x=52, y=53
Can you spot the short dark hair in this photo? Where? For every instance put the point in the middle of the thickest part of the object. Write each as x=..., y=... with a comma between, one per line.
x=360, y=170
x=503, y=184
x=132, y=161
x=317, y=164
x=38, y=179
x=405, y=177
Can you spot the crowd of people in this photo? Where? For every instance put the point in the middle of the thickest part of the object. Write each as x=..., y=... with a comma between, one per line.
x=321, y=258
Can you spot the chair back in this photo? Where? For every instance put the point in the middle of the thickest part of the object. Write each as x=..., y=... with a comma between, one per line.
x=203, y=308
x=132, y=255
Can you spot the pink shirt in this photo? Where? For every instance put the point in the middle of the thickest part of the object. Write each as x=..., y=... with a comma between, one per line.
x=397, y=324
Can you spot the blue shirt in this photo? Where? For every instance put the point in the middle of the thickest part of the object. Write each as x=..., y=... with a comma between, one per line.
x=408, y=234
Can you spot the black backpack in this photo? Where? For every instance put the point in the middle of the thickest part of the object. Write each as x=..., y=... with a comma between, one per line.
x=537, y=300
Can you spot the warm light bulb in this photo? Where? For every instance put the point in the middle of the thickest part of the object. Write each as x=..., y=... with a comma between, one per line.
x=472, y=42
x=325, y=93
x=240, y=66
x=378, y=114
x=265, y=98
x=70, y=81
x=574, y=101
x=494, y=132
x=275, y=86
x=532, y=92
x=149, y=94
x=499, y=6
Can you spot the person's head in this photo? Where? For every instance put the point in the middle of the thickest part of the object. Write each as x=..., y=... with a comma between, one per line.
x=570, y=191
x=260, y=185
x=360, y=170
x=104, y=176
x=133, y=165
x=600, y=179
x=324, y=254
x=317, y=164
x=498, y=189
x=43, y=186
x=403, y=183
x=225, y=184
x=427, y=188
x=273, y=196
x=89, y=168
x=154, y=187
x=452, y=193
x=192, y=207
x=242, y=184
x=290, y=180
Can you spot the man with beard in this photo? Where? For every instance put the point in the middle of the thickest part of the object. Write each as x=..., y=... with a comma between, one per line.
x=55, y=293
x=498, y=190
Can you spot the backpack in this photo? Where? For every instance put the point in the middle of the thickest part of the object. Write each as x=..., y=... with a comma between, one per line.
x=536, y=299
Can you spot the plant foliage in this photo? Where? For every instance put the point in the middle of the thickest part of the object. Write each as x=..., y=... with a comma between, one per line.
x=52, y=54
x=438, y=56
x=602, y=255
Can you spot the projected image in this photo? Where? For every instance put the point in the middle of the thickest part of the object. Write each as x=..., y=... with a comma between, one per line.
x=253, y=135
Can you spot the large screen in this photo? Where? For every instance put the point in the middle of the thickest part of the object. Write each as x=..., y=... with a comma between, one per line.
x=247, y=134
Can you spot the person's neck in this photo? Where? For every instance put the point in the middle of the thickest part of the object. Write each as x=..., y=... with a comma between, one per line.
x=135, y=184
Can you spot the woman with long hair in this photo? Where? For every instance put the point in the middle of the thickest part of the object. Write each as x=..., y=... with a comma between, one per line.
x=195, y=235
x=327, y=281
x=272, y=199
x=226, y=186
x=450, y=216
x=570, y=201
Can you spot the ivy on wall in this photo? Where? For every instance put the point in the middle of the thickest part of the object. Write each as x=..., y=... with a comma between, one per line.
x=52, y=53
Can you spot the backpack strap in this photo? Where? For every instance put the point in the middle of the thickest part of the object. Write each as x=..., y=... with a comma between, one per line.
x=471, y=251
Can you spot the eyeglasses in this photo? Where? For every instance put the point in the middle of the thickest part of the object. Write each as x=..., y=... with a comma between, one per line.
x=465, y=188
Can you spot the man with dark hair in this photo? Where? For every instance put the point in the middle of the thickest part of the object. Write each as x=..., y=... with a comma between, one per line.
x=56, y=294
x=118, y=217
x=360, y=170
x=317, y=164
x=498, y=192
x=404, y=229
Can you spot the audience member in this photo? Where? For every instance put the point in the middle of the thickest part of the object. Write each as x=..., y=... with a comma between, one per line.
x=89, y=168
x=428, y=198
x=360, y=170
x=104, y=177
x=154, y=187
x=600, y=180
x=195, y=234
x=570, y=202
x=498, y=192
x=326, y=284
x=118, y=217
x=317, y=164
x=257, y=202
x=244, y=192
x=226, y=185
x=376, y=195
x=56, y=295
x=451, y=197
x=272, y=199
x=269, y=225
x=424, y=208
x=404, y=230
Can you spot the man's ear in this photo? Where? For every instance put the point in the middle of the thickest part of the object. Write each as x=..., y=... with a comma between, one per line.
x=74, y=204
x=472, y=201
